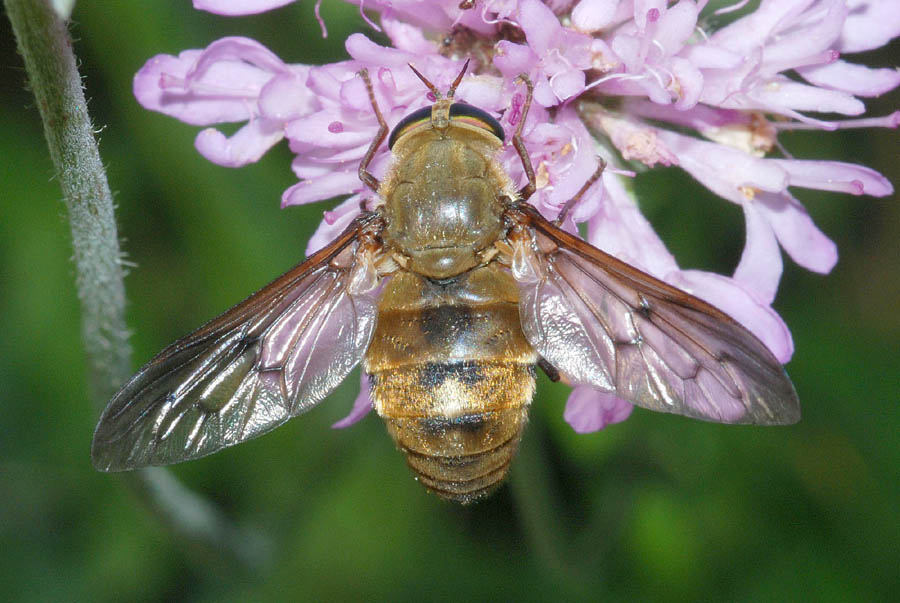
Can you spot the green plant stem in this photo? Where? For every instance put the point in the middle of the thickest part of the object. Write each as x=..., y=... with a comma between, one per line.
x=45, y=44
x=46, y=47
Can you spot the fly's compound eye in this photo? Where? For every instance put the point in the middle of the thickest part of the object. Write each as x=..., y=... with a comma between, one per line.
x=459, y=112
x=408, y=123
x=462, y=112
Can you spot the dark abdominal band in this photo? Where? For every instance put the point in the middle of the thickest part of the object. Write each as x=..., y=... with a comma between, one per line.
x=452, y=377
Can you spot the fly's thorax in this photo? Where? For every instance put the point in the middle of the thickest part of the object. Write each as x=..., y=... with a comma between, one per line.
x=442, y=198
x=453, y=376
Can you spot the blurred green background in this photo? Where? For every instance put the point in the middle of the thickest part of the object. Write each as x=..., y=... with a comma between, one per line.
x=658, y=506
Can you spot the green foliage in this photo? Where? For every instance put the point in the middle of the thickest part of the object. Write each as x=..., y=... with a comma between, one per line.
x=657, y=507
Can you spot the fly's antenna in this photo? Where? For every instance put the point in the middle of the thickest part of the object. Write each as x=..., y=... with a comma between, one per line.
x=458, y=79
x=433, y=89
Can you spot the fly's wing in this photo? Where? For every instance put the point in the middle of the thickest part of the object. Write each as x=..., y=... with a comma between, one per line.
x=603, y=323
x=268, y=359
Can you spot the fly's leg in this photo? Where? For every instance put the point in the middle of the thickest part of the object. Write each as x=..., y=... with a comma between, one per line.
x=526, y=191
x=571, y=202
x=549, y=370
x=364, y=175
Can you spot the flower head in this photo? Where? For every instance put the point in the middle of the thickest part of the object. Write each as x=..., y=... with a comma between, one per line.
x=637, y=83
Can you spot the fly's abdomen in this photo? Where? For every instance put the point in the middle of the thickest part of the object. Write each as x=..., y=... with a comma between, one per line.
x=460, y=436
x=453, y=377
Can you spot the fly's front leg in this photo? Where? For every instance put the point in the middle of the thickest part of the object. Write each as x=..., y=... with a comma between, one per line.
x=571, y=202
x=364, y=175
x=526, y=191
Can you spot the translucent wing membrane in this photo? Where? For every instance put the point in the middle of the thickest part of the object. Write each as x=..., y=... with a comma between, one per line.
x=266, y=360
x=604, y=323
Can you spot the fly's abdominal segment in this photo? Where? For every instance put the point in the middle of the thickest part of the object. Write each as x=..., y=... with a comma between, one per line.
x=449, y=293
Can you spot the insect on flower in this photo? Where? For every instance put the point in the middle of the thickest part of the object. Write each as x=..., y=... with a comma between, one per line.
x=450, y=292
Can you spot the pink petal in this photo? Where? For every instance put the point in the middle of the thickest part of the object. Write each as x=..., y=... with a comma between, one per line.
x=582, y=162
x=602, y=57
x=753, y=30
x=362, y=48
x=700, y=117
x=810, y=39
x=799, y=237
x=800, y=97
x=485, y=92
x=730, y=84
x=324, y=155
x=593, y=15
x=238, y=7
x=637, y=141
x=407, y=37
x=675, y=27
x=589, y=409
x=512, y=59
x=870, y=24
x=858, y=80
x=730, y=173
x=620, y=229
x=287, y=96
x=743, y=306
x=835, y=176
x=539, y=24
x=707, y=56
x=567, y=84
x=644, y=84
x=328, y=186
x=361, y=406
x=543, y=140
x=573, y=49
x=760, y=267
x=239, y=50
x=152, y=89
x=245, y=146
x=687, y=83
x=437, y=16
x=319, y=129
x=218, y=84
x=305, y=167
x=329, y=230
x=474, y=20
x=647, y=11
x=543, y=93
x=628, y=48
x=325, y=81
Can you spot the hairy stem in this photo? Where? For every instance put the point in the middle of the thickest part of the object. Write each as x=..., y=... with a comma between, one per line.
x=46, y=47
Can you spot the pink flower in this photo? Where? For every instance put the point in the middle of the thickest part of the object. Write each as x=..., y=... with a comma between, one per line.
x=653, y=57
x=239, y=7
x=639, y=81
x=232, y=80
x=361, y=406
x=590, y=409
x=554, y=56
